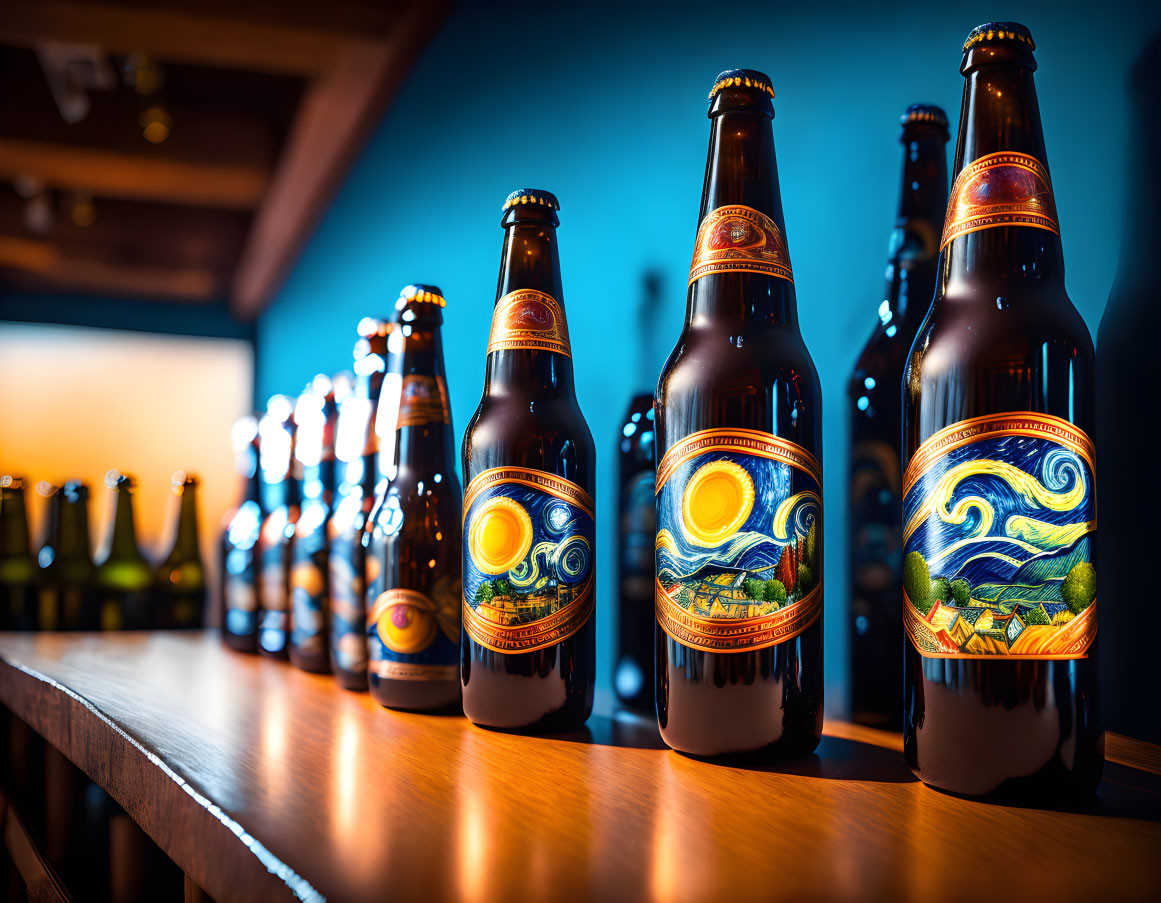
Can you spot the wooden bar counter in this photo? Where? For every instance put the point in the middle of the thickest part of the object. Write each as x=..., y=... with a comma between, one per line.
x=266, y=783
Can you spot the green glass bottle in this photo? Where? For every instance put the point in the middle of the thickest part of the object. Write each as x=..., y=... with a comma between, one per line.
x=124, y=579
x=181, y=578
x=17, y=571
x=67, y=600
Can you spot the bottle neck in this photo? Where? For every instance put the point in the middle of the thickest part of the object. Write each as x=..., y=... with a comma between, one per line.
x=123, y=543
x=1000, y=114
x=741, y=170
x=72, y=536
x=423, y=439
x=185, y=544
x=13, y=524
x=914, y=249
x=529, y=260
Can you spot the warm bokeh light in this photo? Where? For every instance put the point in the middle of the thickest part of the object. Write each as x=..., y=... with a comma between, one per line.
x=80, y=403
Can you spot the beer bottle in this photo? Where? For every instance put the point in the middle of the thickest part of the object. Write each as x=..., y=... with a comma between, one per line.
x=739, y=434
x=280, y=497
x=875, y=534
x=636, y=469
x=181, y=578
x=357, y=469
x=48, y=607
x=412, y=536
x=240, y=550
x=529, y=639
x=314, y=448
x=123, y=579
x=66, y=562
x=999, y=508
x=17, y=571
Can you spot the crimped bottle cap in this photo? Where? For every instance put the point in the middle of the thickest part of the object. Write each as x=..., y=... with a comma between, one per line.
x=924, y=112
x=999, y=31
x=531, y=196
x=420, y=294
x=742, y=78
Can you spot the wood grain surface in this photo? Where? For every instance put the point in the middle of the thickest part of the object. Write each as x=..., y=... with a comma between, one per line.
x=263, y=782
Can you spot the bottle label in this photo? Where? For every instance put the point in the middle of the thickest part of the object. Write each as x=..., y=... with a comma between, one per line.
x=1004, y=189
x=308, y=595
x=530, y=319
x=345, y=589
x=413, y=636
x=737, y=239
x=423, y=400
x=529, y=544
x=999, y=517
x=739, y=540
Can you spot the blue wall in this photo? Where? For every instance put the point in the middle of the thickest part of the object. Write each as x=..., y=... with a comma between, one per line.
x=606, y=108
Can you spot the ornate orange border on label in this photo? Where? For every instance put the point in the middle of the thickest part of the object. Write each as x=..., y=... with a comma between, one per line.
x=422, y=400
x=750, y=442
x=1014, y=423
x=531, y=319
x=537, y=479
x=410, y=671
x=1003, y=189
x=529, y=637
x=739, y=239
x=736, y=634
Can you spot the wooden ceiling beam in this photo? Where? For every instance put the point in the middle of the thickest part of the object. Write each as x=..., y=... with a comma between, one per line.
x=48, y=263
x=175, y=34
x=335, y=117
x=146, y=176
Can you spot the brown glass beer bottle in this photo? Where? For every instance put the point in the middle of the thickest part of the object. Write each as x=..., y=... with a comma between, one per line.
x=357, y=475
x=412, y=537
x=240, y=551
x=528, y=657
x=738, y=592
x=123, y=579
x=999, y=509
x=281, y=492
x=66, y=561
x=874, y=409
x=18, y=596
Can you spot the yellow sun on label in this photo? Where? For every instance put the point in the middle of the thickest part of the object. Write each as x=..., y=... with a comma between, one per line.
x=716, y=502
x=500, y=535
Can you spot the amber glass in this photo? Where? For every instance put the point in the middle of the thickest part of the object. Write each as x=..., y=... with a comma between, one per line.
x=17, y=570
x=240, y=545
x=529, y=417
x=124, y=579
x=413, y=532
x=740, y=362
x=316, y=417
x=281, y=492
x=181, y=578
x=1001, y=335
x=875, y=532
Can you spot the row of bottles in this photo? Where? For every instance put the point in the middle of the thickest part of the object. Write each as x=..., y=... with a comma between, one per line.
x=63, y=588
x=971, y=485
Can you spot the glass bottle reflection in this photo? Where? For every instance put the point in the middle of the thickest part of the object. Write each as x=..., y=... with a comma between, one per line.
x=240, y=550
x=281, y=491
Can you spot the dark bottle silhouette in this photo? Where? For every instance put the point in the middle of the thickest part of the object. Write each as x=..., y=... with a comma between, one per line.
x=181, y=577
x=412, y=539
x=281, y=492
x=528, y=655
x=66, y=563
x=316, y=416
x=999, y=503
x=357, y=474
x=240, y=548
x=1126, y=346
x=739, y=435
x=636, y=471
x=874, y=406
x=123, y=579
x=17, y=571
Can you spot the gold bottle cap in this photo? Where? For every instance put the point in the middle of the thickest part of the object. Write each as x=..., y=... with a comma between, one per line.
x=742, y=78
x=999, y=31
